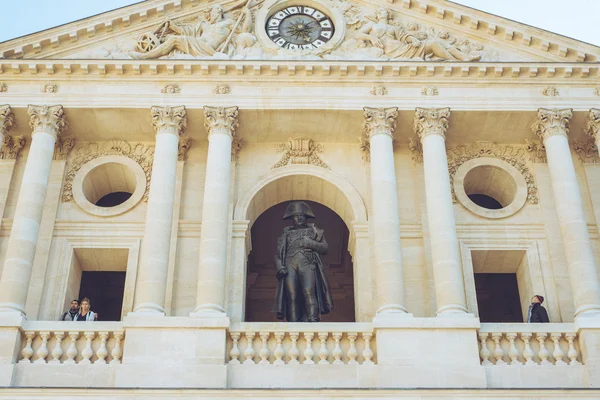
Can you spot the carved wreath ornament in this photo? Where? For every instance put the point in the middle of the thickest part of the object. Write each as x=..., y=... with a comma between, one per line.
x=515, y=156
x=300, y=151
x=85, y=152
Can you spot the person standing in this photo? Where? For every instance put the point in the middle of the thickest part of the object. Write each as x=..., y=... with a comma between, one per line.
x=537, y=313
x=71, y=314
x=85, y=314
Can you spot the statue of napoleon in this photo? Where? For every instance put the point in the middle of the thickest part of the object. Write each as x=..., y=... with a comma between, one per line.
x=303, y=291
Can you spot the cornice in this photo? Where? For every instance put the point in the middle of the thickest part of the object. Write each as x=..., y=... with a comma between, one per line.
x=504, y=71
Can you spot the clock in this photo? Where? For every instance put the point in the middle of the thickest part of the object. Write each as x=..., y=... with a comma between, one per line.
x=299, y=28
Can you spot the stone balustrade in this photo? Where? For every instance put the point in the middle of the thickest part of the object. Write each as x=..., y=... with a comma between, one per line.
x=301, y=343
x=529, y=344
x=45, y=342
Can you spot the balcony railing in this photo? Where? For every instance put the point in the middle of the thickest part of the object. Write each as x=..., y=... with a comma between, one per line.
x=529, y=344
x=301, y=343
x=72, y=342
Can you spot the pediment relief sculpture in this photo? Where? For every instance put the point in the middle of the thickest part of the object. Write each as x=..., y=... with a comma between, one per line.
x=283, y=30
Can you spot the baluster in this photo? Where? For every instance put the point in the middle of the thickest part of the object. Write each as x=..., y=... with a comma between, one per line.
x=308, y=351
x=484, y=353
x=323, y=352
x=234, y=353
x=264, y=350
x=27, y=351
x=367, y=352
x=87, y=352
x=337, y=350
x=279, y=353
x=558, y=353
x=43, y=352
x=543, y=353
x=72, y=350
x=572, y=353
x=352, y=352
x=249, y=353
x=528, y=354
x=57, y=351
x=102, y=352
x=116, y=352
x=513, y=353
x=498, y=352
x=294, y=353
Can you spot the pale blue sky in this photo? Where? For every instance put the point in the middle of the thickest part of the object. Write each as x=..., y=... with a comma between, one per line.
x=574, y=18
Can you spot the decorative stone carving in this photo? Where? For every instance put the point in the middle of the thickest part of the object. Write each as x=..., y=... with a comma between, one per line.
x=379, y=90
x=415, y=146
x=536, y=150
x=11, y=147
x=85, y=152
x=597, y=91
x=236, y=146
x=430, y=91
x=185, y=142
x=50, y=88
x=221, y=89
x=222, y=119
x=7, y=119
x=431, y=121
x=63, y=147
x=587, y=151
x=592, y=125
x=47, y=119
x=365, y=147
x=513, y=155
x=169, y=119
x=171, y=89
x=550, y=91
x=552, y=122
x=3, y=87
x=300, y=151
x=379, y=120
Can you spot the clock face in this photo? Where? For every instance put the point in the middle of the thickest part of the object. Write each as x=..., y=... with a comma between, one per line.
x=299, y=28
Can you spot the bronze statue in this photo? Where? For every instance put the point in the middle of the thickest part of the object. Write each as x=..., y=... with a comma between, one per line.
x=303, y=291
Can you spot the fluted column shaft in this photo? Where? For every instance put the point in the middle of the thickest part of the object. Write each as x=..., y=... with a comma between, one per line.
x=379, y=126
x=47, y=122
x=430, y=125
x=552, y=126
x=169, y=123
x=220, y=125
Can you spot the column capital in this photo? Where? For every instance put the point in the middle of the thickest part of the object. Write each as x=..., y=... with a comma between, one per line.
x=552, y=122
x=221, y=120
x=169, y=119
x=379, y=120
x=431, y=121
x=50, y=119
x=7, y=119
x=592, y=125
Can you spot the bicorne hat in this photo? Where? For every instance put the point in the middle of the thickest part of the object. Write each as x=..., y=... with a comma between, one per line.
x=298, y=207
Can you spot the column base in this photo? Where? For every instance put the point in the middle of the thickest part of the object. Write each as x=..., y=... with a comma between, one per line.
x=590, y=310
x=392, y=309
x=147, y=309
x=209, y=311
x=11, y=308
x=452, y=310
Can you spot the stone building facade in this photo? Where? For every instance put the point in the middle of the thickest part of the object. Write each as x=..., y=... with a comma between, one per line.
x=450, y=155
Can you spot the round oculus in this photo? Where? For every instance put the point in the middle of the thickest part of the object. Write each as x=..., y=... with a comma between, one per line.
x=299, y=28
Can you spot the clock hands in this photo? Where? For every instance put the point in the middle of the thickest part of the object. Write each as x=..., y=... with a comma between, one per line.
x=301, y=30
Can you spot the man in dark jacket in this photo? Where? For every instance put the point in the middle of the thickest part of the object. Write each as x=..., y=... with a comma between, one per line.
x=537, y=313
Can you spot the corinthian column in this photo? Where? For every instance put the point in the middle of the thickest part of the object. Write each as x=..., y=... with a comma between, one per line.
x=220, y=125
x=7, y=120
x=552, y=126
x=169, y=123
x=430, y=125
x=47, y=122
x=379, y=126
x=592, y=126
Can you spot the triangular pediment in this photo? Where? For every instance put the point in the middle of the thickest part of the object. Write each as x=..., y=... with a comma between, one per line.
x=426, y=30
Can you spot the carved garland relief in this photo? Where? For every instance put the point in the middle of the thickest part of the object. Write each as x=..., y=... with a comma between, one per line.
x=85, y=152
x=300, y=151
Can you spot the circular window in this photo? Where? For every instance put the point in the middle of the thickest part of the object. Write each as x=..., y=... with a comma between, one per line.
x=108, y=186
x=490, y=187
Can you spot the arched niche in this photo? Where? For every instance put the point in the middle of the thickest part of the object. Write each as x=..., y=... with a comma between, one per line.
x=301, y=182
